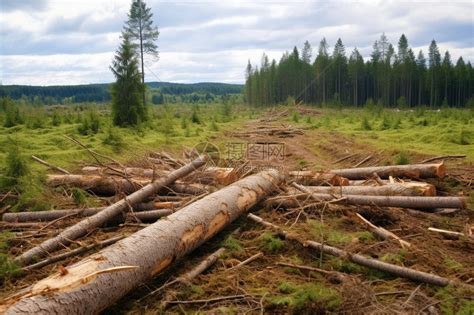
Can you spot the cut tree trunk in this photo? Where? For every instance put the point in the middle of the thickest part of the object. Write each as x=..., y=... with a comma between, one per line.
x=210, y=175
x=50, y=215
x=97, y=220
x=381, y=201
x=318, y=178
x=410, y=171
x=398, y=189
x=110, y=186
x=100, y=185
x=93, y=284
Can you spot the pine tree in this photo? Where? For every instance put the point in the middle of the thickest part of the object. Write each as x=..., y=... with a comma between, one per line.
x=127, y=106
x=421, y=72
x=307, y=52
x=434, y=63
x=142, y=33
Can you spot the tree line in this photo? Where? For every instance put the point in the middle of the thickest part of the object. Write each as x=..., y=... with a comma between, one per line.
x=390, y=77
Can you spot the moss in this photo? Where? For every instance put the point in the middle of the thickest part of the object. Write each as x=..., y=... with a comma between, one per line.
x=452, y=264
x=306, y=296
x=330, y=235
x=270, y=242
x=232, y=245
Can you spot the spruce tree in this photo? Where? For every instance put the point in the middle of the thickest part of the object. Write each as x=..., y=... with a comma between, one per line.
x=127, y=104
x=142, y=33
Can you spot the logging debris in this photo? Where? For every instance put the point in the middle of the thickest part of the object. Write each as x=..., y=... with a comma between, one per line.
x=371, y=200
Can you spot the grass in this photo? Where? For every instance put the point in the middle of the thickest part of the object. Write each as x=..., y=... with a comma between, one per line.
x=232, y=245
x=271, y=243
x=304, y=296
x=447, y=131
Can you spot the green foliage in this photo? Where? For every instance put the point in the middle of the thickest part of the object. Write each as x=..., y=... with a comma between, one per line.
x=79, y=196
x=56, y=119
x=452, y=264
x=8, y=268
x=295, y=116
x=114, y=139
x=232, y=245
x=90, y=124
x=365, y=125
x=290, y=101
x=385, y=124
x=330, y=235
x=195, y=119
x=16, y=167
x=12, y=113
x=184, y=123
x=270, y=242
x=127, y=102
x=402, y=102
x=402, y=158
x=454, y=300
x=372, y=108
x=213, y=126
x=307, y=297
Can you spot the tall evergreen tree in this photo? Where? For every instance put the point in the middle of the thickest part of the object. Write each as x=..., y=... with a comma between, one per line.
x=127, y=105
x=421, y=73
x=142, y=33
x=307, y=52
x=434, y=59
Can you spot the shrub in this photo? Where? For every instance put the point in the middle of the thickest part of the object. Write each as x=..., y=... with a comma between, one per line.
x=55, y=119
x=12, y=114
x=16, y=167
x=195, y=116
x=385, y=124
x=402, y=102
x=402, y=158
x=89, y=124
x=114, y=139
x=365, y=125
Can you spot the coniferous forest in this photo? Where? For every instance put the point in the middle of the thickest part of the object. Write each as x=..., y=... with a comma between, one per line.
x=391, y=76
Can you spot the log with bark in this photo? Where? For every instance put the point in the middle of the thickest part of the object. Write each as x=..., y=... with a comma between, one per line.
x=381, y=201
x=110, y=186
x=410, y=171
x=97, y=220
x=318, y=178
x=397, y=189
x=210, y=175
x=50, y=215
x=93, y=284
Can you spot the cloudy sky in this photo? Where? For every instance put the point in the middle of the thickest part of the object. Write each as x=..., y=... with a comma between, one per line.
x=49, y=42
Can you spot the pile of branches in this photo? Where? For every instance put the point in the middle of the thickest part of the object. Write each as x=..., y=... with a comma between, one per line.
x=199, y=202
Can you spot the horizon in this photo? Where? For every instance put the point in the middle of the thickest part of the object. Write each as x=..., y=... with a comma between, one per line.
x=73, y=42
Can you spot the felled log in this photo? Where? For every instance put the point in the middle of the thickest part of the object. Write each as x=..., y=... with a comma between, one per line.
x=381, y=201
x=410, y=171
x=443, y=157
x=97, y=220
x=220, y=175
x=318, y=178
x=403, y=272
x=110, y=186
x=397, y=189
x=50, y=215
x=90, y=286
x=100, y=185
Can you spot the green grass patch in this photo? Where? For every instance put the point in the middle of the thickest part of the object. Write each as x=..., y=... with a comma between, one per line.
x=305, y=296
x=271, y=243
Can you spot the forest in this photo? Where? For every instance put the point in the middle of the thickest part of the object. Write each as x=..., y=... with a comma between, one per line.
x=100, y=93
x=390, y=77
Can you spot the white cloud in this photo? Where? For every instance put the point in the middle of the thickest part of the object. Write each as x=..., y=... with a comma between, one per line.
x=72, y=41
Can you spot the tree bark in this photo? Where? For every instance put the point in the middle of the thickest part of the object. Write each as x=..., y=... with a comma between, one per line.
x=110, y=186
x=97, y=220
x=381, y=201
x=59, y=169
x=90, y=286
x=412, y=171
x=50, y=215
x=318, y=178
x=396, y=189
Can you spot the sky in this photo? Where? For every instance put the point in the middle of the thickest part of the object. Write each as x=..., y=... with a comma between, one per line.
x=65, y=42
